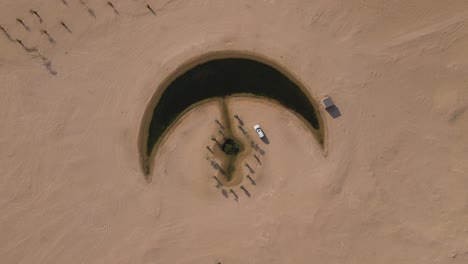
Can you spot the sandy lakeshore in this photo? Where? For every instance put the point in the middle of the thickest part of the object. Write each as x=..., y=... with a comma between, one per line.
x=388, y=185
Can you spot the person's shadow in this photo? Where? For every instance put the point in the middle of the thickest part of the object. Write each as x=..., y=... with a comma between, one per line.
x=245, y=191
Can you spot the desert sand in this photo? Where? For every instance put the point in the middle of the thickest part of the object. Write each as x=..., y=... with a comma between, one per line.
x=389, y=187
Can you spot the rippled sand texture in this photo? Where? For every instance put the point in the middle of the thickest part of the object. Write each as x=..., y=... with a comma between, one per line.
x=392, y=187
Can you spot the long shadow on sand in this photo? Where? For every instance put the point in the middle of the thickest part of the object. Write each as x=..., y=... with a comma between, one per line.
x=5, y=32
x=334, y=111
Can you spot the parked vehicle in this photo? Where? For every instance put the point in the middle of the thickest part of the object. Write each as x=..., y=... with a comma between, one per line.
x=259, y=131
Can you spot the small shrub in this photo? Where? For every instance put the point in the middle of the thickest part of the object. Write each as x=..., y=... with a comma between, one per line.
x=230, y=147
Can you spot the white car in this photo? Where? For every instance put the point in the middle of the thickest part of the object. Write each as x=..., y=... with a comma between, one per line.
x=259, y=131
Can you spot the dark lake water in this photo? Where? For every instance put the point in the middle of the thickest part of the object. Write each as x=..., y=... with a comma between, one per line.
x=224, y=77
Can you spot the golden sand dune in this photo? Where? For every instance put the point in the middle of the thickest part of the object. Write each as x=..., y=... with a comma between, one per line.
x=76, y=78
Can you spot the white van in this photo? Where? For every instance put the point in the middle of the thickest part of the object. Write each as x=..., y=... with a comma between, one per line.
x=259, y=131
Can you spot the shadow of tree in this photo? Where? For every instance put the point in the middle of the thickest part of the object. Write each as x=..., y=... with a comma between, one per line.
x=7, y=35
